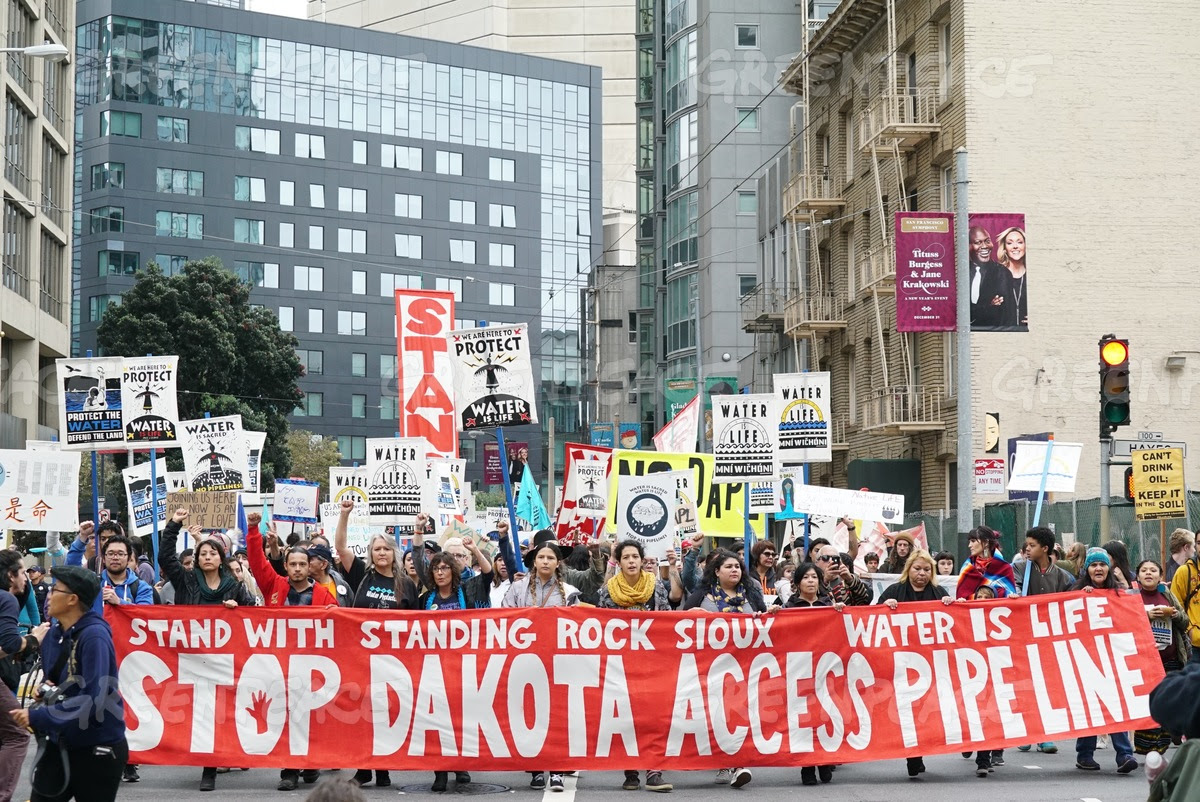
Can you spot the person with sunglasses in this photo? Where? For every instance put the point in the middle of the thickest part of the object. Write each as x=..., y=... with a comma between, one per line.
x=840, y=582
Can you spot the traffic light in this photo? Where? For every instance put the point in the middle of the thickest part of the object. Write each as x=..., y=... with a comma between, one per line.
x=1114, y=384
x=1129, y=485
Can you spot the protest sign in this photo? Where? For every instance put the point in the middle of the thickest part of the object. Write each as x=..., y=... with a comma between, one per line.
x=89, y=409
x=348, y=481
x=425, y=375
x=215, y=453
x=255, y=442
x=857, y=504
x=208, y=510
x=568, y=518
x=745, y=437
x=296, y=501
x=39, y=490
x=148, y=401
x=139, y=498
x=395, y=470
x=493, y=377
x=358, y=527
x=805, y=411
x=412, y=691
x=646, y=507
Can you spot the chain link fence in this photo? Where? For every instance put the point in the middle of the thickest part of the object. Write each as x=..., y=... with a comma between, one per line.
x=1073, y=521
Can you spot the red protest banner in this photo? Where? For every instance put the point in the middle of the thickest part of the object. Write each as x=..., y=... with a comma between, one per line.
x=582, y=688
x=424, y=372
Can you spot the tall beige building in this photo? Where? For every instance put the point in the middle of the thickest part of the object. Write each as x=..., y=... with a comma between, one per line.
x=1070, y=116
x=595, y=32
x=35, y=297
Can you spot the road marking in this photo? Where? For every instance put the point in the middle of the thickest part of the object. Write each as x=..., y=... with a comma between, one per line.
x=1037, y=768
x=1088, y=799
x=568, y=792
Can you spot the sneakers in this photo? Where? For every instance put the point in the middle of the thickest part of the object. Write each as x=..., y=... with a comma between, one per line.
x=1088, y=764
x=723, y=777
x=631, y=781
x=654, y=782
x=462, y=777
x=440, y=781
x=980, y=771
x=1026, y=748
x=208, y=779
x=556, y=783
x=362, y=777
x=997, y=760
x=538, y=781
x=808, y=775
x=130, y=774
x=1127, y=765
x=740, y=778
x=1048, y=748
x=288, y=783
x=826, y=772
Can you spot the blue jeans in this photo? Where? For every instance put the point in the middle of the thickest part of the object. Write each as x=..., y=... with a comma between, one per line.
x=1085, y=748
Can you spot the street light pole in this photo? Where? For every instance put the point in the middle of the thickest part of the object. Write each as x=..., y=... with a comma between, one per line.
x=965, y=466
x=699, y=362
x=49, y=50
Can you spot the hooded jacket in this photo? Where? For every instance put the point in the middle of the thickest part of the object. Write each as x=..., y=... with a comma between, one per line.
x=273, y=586
x=90, y=711
x=132, y=591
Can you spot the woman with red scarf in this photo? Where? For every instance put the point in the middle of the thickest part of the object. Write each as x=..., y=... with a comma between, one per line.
x=983, y=566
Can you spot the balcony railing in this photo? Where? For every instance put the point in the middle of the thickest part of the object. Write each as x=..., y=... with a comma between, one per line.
x=807, y=313
x=877, y=268
x=903, y=408
x=812, y=193
x=907, y=117
x=762, y=308
x=838, y=424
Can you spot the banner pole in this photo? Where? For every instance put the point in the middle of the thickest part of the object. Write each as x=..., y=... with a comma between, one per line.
x=807, y=522
x=1037, y=512
x=154, y=509
x=748, y=529
x=508, y=492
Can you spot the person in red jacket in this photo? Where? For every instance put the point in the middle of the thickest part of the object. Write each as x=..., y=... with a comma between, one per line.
x=295, y=590
x=292, y=591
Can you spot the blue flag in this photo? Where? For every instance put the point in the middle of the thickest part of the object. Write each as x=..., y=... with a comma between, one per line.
x=529, y=502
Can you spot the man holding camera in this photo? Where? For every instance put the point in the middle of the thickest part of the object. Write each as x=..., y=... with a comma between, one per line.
x=79, y=709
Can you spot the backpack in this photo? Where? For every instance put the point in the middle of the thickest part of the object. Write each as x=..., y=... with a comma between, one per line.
x=137, y=583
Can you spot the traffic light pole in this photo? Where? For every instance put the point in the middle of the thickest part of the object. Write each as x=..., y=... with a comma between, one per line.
x=965, y=473
x=1105, y=452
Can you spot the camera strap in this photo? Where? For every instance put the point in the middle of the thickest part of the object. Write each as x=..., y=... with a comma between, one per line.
x=43, y=740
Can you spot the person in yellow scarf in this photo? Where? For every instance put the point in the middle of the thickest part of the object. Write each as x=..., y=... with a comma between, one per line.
x=635, y=589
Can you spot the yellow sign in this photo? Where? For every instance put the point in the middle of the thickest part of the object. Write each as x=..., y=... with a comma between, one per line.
x=720, y=509
x=1158, y=490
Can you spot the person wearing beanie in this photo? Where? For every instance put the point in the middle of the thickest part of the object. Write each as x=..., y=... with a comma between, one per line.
x=983, y=565
x=85, y=751
x=898, y=554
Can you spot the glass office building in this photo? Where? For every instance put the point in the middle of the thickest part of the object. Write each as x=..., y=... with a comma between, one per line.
x=329, y=166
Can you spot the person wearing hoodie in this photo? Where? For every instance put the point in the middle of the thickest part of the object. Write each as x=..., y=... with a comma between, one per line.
x=84, y=721
x=13, y=739
x=144, y=568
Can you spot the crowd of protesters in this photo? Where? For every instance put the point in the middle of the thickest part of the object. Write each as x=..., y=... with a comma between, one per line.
x=104, y=567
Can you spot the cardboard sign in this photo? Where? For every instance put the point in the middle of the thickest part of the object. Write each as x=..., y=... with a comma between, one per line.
x=211, y=510
x=89, y=410
x=1029, y=463
x=358, y=527
x=255, y=442
x=647, y=507
x=857, y=504
x=348, y=481
x=1158, y=488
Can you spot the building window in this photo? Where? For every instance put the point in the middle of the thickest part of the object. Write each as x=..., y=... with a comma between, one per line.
x=448, y=162
x=287, y=235
x=502, y=294
x=352, y=200
x=120, y=123
x=387, y=366
x=390, y=282
x=352, y=324
x=502, y=169
x=682, y=151
x=316, y=238
x=389, y=409
x=17, y=164
x=309, y=279
x=747, y=37
x=679, y=319
x=681, y=229
x=20, y=34
x=401, y=157
x=286, y=317
x=54, y=94
x=847, y=124
x=313, y=362
x=353, y=447
x=358, y=282
x=257, y=140
x=462, y=211
x=171, y=264
x=310, y=146
x=680, y=73
x=746, y=284
x=53, y=272
x=950, y=362
x=287, y=193
x=352, y=240
x=118, y=263
x=99, y=304
x=408, y=206
x=249, y=232
x=946, y=60
x=316, y=321
x=408, y=246
x=358, y=406
x=359, y=151
x=179, y=224
x=247, y=188
x=747, y=119
x=258, y=274
x=947, y=189
x=312, y=405
x=177, y=182
x=316, y=196
x=109, y=175
x=358, y=366
x=173, y=129
x=502, y=254
x=501, y=215
x=54, y=187
x=462, y=251
x=454, y=285
x=107, y=219
x=747, y=202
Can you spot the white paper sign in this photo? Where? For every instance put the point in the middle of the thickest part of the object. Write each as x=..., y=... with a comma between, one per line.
x=441, y=494
x=857, y=504
x=587, y=486
x=493, y=377
x=1029, y=462
x=805, y=434
x=148, y=402
x=297, y=501
x=215, y=453
x=395, y=472
x=138, y=497
x=358, y=527
x=646, y=507
x=39, y=490
x=745, y=438
x=89, y=410
x=255, y=441
x=348, y=481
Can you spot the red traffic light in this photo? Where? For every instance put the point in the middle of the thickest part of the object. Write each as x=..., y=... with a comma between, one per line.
x=1114, y=352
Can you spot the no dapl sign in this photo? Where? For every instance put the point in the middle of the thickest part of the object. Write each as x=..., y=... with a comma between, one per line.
x=1158, y=484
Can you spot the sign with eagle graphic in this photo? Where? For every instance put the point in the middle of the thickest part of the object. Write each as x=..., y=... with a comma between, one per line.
x=493, y=377
x=214, y=453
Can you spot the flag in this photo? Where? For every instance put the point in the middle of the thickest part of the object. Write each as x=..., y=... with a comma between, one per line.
x=679, y=436
x=529, y=502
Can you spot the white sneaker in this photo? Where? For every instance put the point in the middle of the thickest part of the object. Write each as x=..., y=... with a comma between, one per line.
x=1102, y=742
x=740, y=777
x=723, y=777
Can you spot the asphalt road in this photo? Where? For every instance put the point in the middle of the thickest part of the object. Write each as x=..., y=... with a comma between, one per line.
x=1028, y=777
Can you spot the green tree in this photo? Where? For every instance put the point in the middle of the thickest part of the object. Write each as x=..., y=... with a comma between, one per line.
x=233, y=359
x=312, y=456
x=488, y=498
